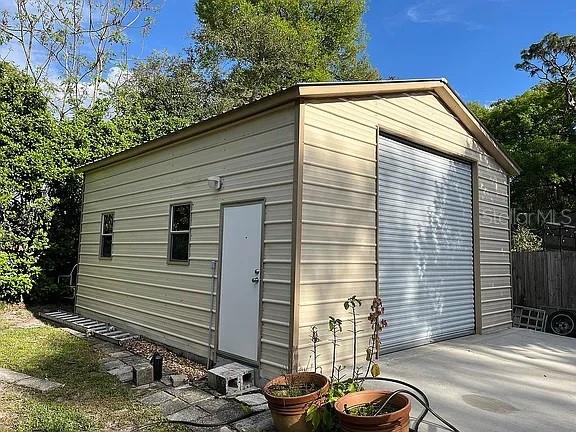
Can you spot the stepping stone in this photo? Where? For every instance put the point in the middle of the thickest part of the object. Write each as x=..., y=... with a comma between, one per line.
x=8, y=376
x=223, y=410
x=157, y=398
x=253, y=399
x=134, y=360
x=260, y=408
x=120, y=354
x=189, y=393
x=42, y=385
x=260, y=422
x=191, y=414
x=124, y=373
x=172, y=406
x=112, y=364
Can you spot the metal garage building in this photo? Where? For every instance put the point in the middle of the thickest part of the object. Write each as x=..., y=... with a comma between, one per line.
x=234, y=236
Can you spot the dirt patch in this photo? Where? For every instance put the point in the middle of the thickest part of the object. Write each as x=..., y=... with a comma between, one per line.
x=18, y=316
x=178, y=364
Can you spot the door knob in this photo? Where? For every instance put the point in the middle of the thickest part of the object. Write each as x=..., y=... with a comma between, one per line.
x=255, y=279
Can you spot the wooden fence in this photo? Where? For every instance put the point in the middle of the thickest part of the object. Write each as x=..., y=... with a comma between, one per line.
x=546, y=278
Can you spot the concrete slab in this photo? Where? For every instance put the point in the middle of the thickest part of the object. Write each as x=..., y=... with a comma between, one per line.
x=121, y=354
x=515, y=380
x=191, y=414
x=9, y=376
x=112, y=364
x=172, y=406
x=257, y=423
x=252, y=399
x=157, y=398
x=42, y=385
x=134, y=360
x=189, y=393
x=123, y=373
x=223, y=410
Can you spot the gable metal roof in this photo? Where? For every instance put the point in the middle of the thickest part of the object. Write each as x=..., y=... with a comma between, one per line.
x=438, y=86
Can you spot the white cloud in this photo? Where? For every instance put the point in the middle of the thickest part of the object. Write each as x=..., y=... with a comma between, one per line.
x=439, y=12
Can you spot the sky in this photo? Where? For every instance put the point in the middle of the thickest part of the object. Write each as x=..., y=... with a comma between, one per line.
x=473, y=43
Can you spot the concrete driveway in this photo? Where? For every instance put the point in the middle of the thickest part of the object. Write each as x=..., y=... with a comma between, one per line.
x=514, y=381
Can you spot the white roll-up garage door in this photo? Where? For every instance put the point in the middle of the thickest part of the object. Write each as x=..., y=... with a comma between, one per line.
x=425, y=246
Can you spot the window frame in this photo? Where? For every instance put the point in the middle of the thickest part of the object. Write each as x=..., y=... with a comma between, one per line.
x=103, y=234
x=171, y=233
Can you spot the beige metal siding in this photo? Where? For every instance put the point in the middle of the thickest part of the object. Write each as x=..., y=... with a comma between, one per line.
x=137, y=288
x=339, y=206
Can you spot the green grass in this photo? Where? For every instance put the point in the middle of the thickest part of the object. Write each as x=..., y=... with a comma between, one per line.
x=91, y=400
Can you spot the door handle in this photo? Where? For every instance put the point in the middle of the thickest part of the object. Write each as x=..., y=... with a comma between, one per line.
x=256, y=278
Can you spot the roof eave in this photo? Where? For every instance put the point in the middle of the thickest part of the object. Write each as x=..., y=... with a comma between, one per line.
x=327, y=90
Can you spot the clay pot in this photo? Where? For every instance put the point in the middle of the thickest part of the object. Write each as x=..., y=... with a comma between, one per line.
x=289, y=413
x=397, y=421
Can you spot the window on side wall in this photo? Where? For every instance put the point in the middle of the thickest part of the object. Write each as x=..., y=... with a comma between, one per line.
x=179, y=233
x=106, y=233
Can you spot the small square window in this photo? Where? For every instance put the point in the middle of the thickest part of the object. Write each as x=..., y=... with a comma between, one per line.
x=179, y=232
x=106, y=234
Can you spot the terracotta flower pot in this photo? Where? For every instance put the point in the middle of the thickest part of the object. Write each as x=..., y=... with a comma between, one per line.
x=397, y=421
x=289, y=413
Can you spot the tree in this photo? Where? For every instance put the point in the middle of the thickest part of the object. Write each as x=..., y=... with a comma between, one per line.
x=70, y=46
x=163, y=93
x=553, y=60
x=539, y=134
x=28, y=165
x=248, y=49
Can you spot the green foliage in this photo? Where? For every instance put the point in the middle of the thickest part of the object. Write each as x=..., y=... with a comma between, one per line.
x=524, y=240
x=539, y=133
x=321, y=414
x=553, y=60
x=252, y=48
x=28, y=169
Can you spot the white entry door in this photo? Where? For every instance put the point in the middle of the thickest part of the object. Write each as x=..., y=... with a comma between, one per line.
x=238, y=330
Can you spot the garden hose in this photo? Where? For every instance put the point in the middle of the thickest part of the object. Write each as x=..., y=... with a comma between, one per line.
x=420, y=397
x=417, y=394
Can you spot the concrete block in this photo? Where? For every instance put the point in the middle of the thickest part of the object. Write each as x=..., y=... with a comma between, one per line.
x=8, y=376
x=178, y=380
x=142, y=374
x=232, y=378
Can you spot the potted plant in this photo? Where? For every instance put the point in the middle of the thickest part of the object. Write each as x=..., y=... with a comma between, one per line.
x=289, y=396
x=373, y=410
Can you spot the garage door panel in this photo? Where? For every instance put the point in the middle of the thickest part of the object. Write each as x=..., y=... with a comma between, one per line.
x=425, y=239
